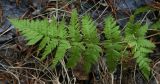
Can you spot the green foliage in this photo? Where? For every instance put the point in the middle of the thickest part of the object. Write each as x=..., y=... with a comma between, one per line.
x=56, y=36
x=75, y=37
x=141, y=47
x=82, y=42
x=47, y=34
x=88, y=37
x=91, y=40
x=156, y=25
x=89, y=30
x=112, y=44
x=143, y=9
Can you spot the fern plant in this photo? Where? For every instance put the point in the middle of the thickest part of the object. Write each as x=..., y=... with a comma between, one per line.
x=91, y=40
x=134, y=38
x=79, y=42
x=75, y=38
x=112, y=44
x=141, y=47
x=82, y=42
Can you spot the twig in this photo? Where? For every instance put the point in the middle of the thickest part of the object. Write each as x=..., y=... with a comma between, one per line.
x=112, y=77
x=135, y=73
x=65, y=69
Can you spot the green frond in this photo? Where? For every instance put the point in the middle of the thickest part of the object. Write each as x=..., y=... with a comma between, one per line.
x=61, y=50
x=141, y=52
x=34, y=40
x=156, y=25
x=144, y=64
x=142, y=31
x=43, y=43
x=50, y=45
x=20, y=24
x=146, y=71
x=111, y=30
x=112, y=45
x=74, y=27
x=91, y=56
x=142, y=9
x=89, y=30
x=29, y=30
x=62, y=33
x=75, y=51
x=52, y=30
x=141, y=47
x=113, y=57
x=145, y=43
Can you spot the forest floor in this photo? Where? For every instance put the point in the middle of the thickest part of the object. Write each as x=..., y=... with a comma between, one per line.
x=18, y=65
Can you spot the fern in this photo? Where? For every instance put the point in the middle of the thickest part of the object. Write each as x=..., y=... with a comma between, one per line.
x=91, y=56
x=82, y=41
x=46, y=33
x=75, y=54
x=141, y=47
x=112, y=43
x=89, y=30
x=63, y=46
x=50, y=41
x=85, y=43
x=74, y=27
x=156, y=25
x=91, y=40
x=143, y=9
x=75, y=36
x=55, y=36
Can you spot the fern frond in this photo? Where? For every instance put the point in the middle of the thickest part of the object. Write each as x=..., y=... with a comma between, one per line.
x=75, y=36
x=142, y=9
x=112, y=45
x=75, y=54
x=82, y=41
x=111, y=29
x=145, y=43
x=50, y=41
x=62, y=33
x=74, y=27
x=50, y=45
x=91, y=56
x=113, y=58
x=141, y=47
x=156, y=25
x=29, y=30
x=20, y=24
x=61, y=50
x=89, y=30
x=142, y=60
x=91, y=40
